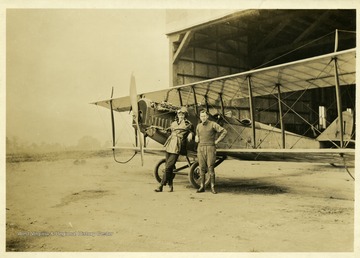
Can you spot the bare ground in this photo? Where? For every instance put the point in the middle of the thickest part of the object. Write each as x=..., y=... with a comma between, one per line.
x=88, y=203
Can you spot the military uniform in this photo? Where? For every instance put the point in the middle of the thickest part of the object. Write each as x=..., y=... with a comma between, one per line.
x=175, y=145
x=206, y=151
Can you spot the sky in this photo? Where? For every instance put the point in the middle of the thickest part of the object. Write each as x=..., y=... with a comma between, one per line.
x=60, y=60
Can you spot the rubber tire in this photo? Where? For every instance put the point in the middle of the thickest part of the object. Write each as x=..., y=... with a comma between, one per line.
x=194, y=176
x=157, y=175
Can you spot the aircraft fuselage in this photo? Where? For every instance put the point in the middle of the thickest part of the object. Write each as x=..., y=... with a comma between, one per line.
x=154, y=118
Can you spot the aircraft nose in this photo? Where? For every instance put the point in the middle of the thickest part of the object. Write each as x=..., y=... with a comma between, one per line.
x=144, y=106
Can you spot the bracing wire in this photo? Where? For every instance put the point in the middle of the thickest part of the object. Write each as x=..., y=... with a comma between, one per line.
x=113, y=150
x=287, y=53
x=103, y=122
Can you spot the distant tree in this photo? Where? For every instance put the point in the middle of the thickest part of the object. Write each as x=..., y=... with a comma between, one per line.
x=107, y=144
x=9, y=146
x=34, y=147
x=88, y=143
x=17, y=145
x=57, y=147
x=13, y=145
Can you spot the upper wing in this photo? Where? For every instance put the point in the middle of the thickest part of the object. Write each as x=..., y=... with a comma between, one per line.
x=316, y=72
x=119, y=104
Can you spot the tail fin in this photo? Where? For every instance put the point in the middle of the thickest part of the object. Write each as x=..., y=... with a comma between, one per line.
x=332, y=133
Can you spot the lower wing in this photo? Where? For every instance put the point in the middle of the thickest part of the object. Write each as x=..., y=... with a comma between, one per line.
x=332, y=156
x=291, y=155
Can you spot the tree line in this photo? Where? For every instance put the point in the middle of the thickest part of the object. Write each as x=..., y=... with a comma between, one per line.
x=17, y=145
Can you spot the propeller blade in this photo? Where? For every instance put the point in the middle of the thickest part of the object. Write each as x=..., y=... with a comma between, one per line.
x=135, y=111
x=133, y=98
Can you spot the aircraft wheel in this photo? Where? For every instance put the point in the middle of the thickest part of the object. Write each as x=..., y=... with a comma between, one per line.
x=159, y=170
x=194, y=175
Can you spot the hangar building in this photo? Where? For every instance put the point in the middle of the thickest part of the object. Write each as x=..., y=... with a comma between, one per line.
x=206, y=44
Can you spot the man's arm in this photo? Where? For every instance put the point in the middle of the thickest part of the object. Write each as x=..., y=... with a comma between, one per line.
x=220, y=130
x=190, y=129
x=197, y=134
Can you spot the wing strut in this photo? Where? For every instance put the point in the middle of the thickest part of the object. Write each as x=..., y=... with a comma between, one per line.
x=112, y=120
x=180, y=98
x=338, y=102
x=281, y=116
x=336, y=40
x=222, y=104
x=195, y=101
x=206, y=103
x=252, y=116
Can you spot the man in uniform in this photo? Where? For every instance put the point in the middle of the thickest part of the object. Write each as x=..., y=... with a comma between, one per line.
x=206, y=152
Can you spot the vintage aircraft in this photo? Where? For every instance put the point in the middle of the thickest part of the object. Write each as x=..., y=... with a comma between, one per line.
x=247, y=139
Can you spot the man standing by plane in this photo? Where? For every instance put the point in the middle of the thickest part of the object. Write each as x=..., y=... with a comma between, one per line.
x=206, y=151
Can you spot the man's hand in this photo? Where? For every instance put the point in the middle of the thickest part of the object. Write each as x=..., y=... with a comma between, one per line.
x=196, y=138
x=189, y=137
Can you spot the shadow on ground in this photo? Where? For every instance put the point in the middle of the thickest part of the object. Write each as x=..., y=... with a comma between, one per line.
x=237, y=186
x=249, y=186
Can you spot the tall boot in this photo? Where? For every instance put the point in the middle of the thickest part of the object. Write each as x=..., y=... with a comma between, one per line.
x=162, y=183
x=159, y=189
x=202, y=184
x=171, y=187
x=212, y=181
x=170, y=182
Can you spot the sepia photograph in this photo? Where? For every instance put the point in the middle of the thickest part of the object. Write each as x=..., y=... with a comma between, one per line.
x=147, y=129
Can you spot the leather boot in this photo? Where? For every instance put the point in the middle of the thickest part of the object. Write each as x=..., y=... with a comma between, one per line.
x=162, y=183
x=212, y=178
x=171, y=185
x=202, y=184
x=159, y=189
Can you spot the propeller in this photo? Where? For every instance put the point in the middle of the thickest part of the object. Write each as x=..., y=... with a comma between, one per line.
x=135, y=111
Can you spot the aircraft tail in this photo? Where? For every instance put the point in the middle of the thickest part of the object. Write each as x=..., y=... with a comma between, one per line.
x=332, y=133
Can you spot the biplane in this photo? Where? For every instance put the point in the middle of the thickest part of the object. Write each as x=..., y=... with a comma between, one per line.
x=248, y=139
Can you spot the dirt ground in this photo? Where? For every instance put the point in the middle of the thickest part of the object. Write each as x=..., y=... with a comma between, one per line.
x=89, y=203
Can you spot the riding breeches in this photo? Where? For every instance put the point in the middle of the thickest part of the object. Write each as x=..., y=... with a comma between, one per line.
x=206, y=158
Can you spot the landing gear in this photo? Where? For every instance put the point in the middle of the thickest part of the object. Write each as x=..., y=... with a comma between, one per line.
x=346, y=166
x=159, y=170
x=193, y=175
